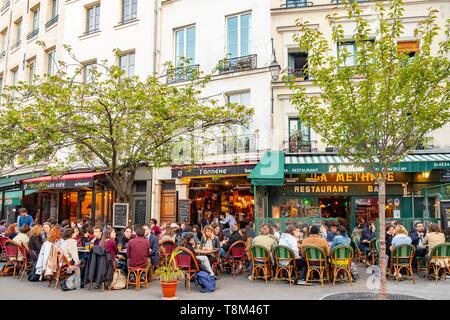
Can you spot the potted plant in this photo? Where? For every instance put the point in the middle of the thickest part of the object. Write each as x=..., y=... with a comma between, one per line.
x=168, y=274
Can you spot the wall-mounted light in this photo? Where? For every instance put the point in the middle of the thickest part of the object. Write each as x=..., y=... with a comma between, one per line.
x=426, y=174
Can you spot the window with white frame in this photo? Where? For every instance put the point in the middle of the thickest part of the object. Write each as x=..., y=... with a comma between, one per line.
x=93, y=19
x=238, y=35
x=31, y=70
x=14, y=79
x=126, y=62
x=3, y=41
x=51, y=62
x=129, y=10
x=88, y=69
x=241, y=139
x=54, y=8
x=350, y=48
x=35, y=21
x=18, y=25
x=185, y=45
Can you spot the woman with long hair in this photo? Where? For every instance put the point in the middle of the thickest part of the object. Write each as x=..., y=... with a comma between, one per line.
x=12, y=230
x=209, y=239
x=35, y=243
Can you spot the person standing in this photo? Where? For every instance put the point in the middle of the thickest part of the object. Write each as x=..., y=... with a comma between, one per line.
x=24, y=218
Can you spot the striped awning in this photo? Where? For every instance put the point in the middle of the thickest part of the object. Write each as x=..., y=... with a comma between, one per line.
x=336, y=164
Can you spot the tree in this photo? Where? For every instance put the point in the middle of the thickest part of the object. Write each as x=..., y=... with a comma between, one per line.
x=98, y=116
x=376, y=111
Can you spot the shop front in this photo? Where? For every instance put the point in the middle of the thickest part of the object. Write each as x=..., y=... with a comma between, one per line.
x=72, y=196
x=329, y=187
x=213, y=190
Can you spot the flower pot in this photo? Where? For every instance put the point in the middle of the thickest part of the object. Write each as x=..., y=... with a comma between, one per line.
x=169, y=289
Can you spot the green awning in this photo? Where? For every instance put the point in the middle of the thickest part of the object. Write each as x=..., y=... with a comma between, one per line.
x=270, y=170
x=13, y=181
x=14, y=198
x=297, y=164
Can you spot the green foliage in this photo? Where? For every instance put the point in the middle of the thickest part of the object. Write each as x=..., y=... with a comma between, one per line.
x=103, y=119
x=380, y=109
x=168, y=271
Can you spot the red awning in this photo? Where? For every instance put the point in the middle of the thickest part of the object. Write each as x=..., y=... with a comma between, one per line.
x=71, y=176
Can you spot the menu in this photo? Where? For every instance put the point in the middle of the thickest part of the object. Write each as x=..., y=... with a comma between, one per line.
x=183, y=210
x=120, y=215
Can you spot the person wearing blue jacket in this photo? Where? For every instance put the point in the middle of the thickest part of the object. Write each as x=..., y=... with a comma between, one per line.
x=367, y=235
x=24, y=218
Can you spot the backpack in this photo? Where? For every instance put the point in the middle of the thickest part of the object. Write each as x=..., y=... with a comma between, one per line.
x=119, y=280
x=206, y=282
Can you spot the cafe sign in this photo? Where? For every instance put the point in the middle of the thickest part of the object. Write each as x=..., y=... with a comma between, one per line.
x=212, y=171
x=63, y=184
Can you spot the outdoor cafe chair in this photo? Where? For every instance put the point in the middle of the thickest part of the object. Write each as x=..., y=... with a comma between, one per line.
x=26, y=263
x=166, y=248
x=138, y=272
x=359, y=256
x=316, y=261
x=12, y=253
x=234, y=258
x=402, y=258
x=261, y=262
x=341, y=261
x=373, y=250
x=284, y=259
x=184, y=261
x=3, y=247
x=61, y=271
x=439, y=260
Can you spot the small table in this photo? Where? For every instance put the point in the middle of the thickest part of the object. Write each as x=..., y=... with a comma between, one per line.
x=83, y=250
x=203, y=252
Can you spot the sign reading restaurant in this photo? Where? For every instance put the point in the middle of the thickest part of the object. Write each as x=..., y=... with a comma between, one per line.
x=212, y=171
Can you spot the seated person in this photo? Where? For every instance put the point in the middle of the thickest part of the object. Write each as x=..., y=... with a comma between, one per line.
x=217, y=231
x=417, y=238
x=264, y=239
x=22, y=239
x=332, y=233
x=367, y=235
x=189, y=243
x=97, y=236
x=189, y=230
x=209, y=240
x=138, y=251
x=109, y=243
x=341, y=237
x=153, y=243
x=290, y=239
x=235, y=236
x=434, y=237
x=35, y=243
x=401, y=237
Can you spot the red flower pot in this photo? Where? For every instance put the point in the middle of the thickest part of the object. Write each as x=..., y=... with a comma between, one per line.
x=169, y=289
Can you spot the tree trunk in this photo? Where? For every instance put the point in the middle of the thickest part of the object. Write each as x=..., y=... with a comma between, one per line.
x=382, y=234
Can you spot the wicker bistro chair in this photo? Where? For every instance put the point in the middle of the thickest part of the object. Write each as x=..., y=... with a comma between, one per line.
x=165, y=249
x=138, y=272
x=401, y=258
x=184, y=261
x=316, y=261
x=261, y=262
x=439, y=260
x=234, y=258
x=358, y=256
x=284, y=259
x=61, y=271
x=26, y=263
x=12, y=253
x=373, y=250
x=341, y=261
x=3, y=247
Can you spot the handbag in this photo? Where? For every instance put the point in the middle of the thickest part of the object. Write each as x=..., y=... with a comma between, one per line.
x=119, y=280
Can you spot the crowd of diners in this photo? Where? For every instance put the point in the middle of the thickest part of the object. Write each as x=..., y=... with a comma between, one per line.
x=139, y=245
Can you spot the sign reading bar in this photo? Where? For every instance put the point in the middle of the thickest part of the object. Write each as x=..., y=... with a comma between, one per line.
x=120, y=215
x=211, y=171
x=63, y=184
x=184, y=207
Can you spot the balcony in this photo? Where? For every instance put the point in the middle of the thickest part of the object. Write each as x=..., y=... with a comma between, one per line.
x=298, y=74
x=2, y=54
x=181, y=74
x=16, y=45
x=341, y=2
x=237, y=144
x=296, y=146
x=296, y=3
x=33, y=34
x=238, y=64
x=52, y=21
x=5, y=5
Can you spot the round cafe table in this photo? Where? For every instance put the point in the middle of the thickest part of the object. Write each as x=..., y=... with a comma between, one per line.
x=204, y=252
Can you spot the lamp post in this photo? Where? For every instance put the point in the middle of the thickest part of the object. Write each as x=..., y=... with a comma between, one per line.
x=275, y=69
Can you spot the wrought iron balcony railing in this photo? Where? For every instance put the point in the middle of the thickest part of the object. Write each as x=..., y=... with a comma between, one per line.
x=183, y=73
x=297, y=74
x=238, y=64
x=296, y=146
x=16, y=45
x=33, y=34
x=341, y=1
x=237, y=144
x=5, y=5
x=2, y=54
x=296, y=3
x=52, y=21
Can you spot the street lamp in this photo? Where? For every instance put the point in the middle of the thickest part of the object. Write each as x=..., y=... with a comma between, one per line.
x=275, y=69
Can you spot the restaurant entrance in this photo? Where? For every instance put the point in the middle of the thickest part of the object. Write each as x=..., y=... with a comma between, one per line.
x=335, y=207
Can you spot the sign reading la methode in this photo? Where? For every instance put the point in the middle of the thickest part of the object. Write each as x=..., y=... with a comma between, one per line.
x=211, y=171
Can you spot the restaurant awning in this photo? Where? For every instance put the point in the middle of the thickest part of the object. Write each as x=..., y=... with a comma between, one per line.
x=66, y=181
x=14, y=198
x=8, y=182
x=270, y=170
x=297, y=164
